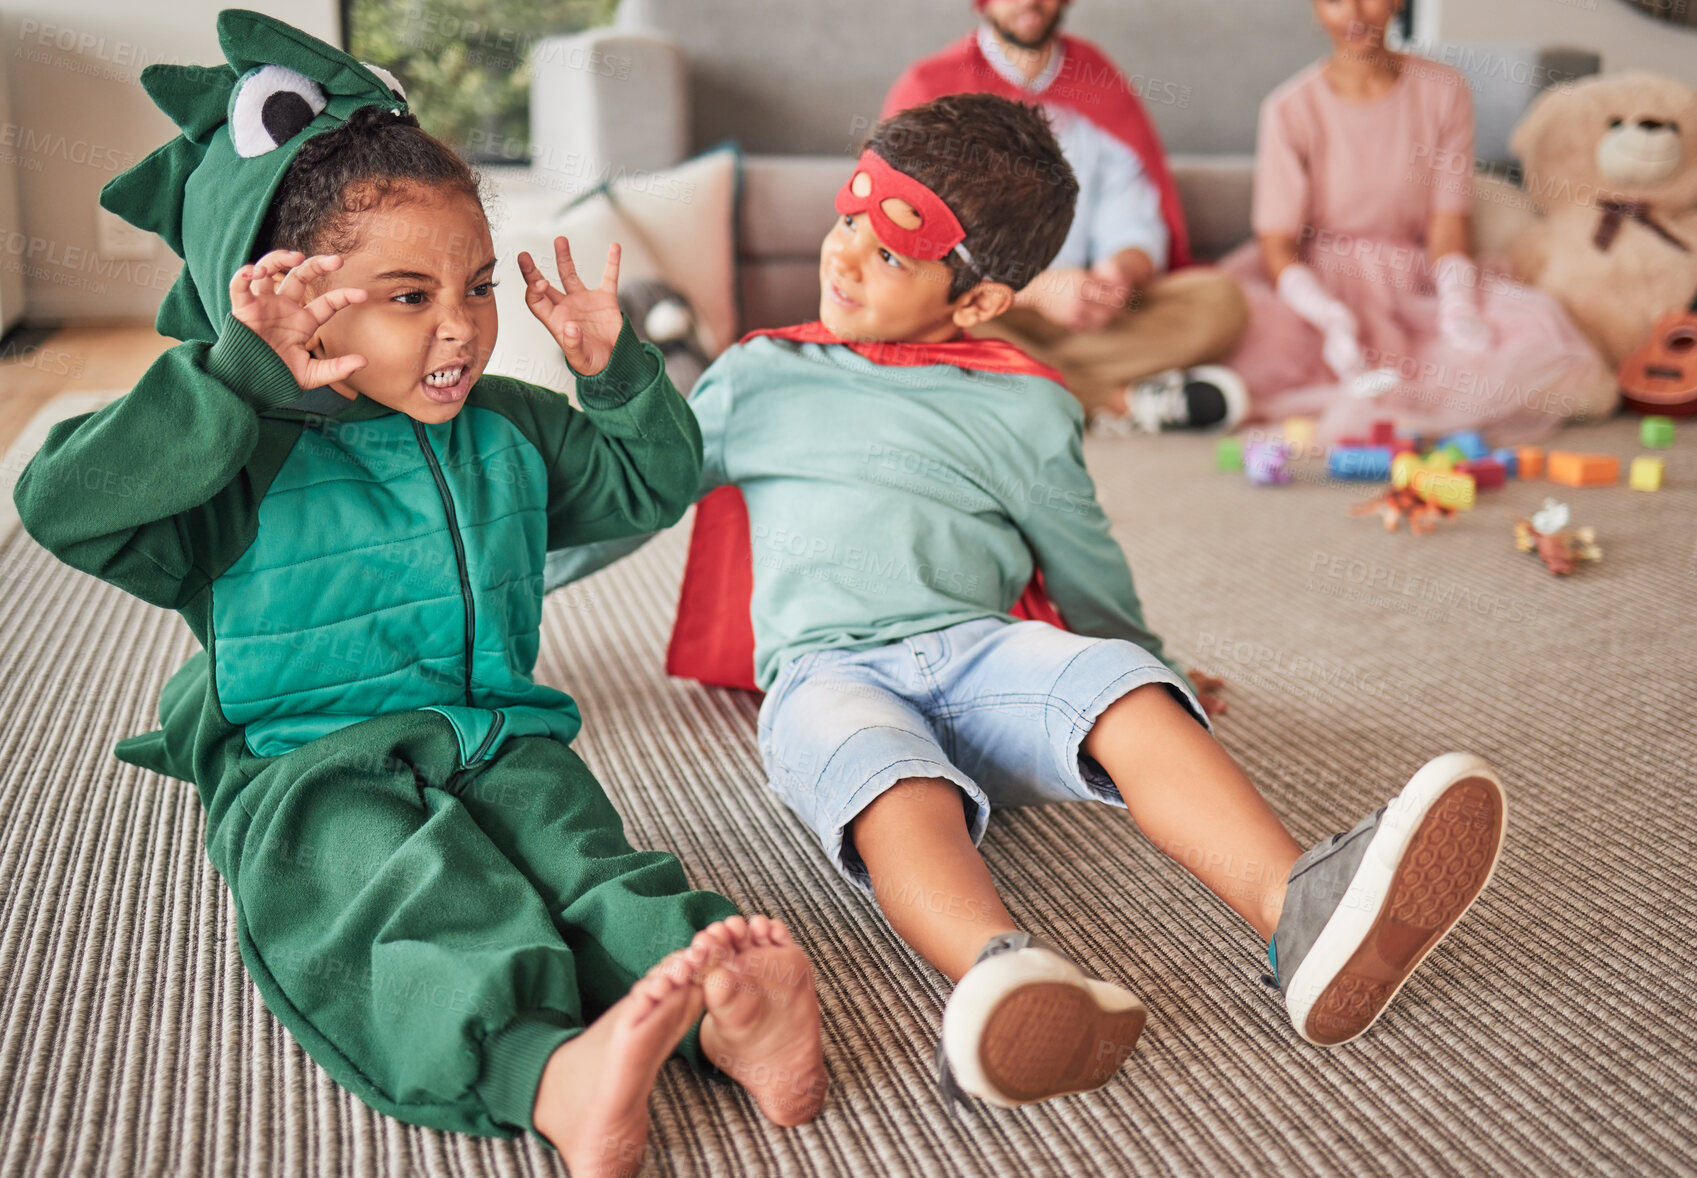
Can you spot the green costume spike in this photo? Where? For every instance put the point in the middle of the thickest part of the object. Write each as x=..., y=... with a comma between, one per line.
x=201, y=193
x=196, y=97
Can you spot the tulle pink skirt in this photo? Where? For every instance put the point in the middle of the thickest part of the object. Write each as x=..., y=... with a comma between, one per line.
x=1538, y=372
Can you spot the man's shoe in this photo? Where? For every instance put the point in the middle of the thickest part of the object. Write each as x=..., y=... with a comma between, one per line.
x=1364, y=909
x=1026, y=1024
x=1208, y=397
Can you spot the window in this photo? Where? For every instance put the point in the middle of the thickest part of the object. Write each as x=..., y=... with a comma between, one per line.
x=465, y=63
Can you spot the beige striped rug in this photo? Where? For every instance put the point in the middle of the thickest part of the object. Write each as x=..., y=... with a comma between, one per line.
x=1553, y=1034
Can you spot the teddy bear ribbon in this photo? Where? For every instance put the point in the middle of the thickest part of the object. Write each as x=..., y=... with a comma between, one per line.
x=1616, y=210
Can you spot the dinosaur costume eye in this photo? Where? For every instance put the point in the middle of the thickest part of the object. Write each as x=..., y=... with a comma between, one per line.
x=271, y=106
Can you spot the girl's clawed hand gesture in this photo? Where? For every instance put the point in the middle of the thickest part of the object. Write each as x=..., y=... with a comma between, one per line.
x=277, y=310
x=585, y=322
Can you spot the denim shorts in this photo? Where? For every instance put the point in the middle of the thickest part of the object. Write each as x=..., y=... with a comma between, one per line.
x=999, y=708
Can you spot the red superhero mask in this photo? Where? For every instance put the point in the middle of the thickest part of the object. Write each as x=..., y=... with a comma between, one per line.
x=908, y=217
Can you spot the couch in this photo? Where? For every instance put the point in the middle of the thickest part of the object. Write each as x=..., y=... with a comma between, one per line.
x=796, y=83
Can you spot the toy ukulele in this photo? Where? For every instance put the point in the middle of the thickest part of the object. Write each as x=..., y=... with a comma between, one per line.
x=1661, y=376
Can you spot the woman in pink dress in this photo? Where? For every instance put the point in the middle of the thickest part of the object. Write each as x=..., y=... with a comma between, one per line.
x=1365, y=302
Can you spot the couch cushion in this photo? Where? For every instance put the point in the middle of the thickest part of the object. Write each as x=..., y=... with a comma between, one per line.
x=526, y=220
x=1215, y=192
x=687, y=217
x=787, y=203
x=779, y=291
x=674, y=224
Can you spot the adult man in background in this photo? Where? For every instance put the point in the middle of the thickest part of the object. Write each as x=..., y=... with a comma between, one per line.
x=1121, y=312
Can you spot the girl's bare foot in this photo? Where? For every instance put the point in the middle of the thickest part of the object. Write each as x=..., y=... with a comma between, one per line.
x=592, y=1104
x=762, y=1022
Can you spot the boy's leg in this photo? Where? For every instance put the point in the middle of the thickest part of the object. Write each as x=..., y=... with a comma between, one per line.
x=927, y=876
x=1024, y=1023
x=1347, y=922
x=849, y=749
x=1191, y=317
x=397, y=944
x=623, y=911
x=1193, y=802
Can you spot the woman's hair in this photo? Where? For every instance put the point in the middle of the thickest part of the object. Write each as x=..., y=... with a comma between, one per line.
x=996, y=164
x=378, y=157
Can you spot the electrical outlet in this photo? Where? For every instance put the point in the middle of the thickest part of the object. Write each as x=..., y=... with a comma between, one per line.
x=116, y=239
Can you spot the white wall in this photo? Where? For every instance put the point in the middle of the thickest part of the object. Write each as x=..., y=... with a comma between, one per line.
x=79, y=116
x=1625, y=37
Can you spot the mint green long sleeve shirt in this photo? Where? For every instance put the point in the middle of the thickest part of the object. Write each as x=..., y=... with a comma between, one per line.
x=888, y=501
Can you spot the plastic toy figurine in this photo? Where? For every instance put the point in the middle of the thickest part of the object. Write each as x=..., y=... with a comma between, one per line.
x=1266, y=463
x=1422, y=514
x=1560, y=550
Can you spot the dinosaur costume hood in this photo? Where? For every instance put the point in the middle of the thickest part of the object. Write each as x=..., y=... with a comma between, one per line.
x=207, y=191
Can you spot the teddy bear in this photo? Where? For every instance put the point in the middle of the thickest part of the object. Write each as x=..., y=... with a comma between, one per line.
x=1610, y=162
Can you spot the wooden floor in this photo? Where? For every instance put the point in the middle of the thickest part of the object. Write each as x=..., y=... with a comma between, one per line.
x=84, y=358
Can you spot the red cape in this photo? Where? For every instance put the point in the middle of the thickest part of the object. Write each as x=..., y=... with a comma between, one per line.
x=964, y=351
x=713, y=636
x=1089, y=84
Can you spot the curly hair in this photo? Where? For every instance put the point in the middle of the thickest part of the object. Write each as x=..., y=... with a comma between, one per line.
x=379, y=157
x=996, y=164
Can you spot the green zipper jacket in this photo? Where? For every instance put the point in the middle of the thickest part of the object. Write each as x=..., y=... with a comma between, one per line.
x=337, y=568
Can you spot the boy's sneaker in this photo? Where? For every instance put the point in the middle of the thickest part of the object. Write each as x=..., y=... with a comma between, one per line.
x=1026, y=1024
x=1363, y=909
x=1208, y=397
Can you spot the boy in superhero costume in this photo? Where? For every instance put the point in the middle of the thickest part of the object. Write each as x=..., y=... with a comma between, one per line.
x=1138, y=331
x=432, y=893
x=882, y=488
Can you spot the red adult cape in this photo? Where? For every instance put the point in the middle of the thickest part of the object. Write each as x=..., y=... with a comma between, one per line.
x=713, y=636
x=1088, y=83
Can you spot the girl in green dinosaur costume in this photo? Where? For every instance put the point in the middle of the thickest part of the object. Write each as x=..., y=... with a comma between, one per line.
x=432, y=892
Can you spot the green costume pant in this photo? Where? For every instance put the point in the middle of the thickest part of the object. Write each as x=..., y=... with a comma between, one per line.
x=430, y=933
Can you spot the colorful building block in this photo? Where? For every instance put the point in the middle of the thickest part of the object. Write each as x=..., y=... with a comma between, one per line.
x=1510, y=459
x=1441, y=460
x=1470, y=442
x=1488, y=474
x=1404, y=446
x=1645, y=474
x=1403, y=467
x=1228, y=454
x=1656, y=433
x=1528, y=461
x=1367, y=464
x=1299, y=432
x=1456, y=453
x=1382, y=433
x=1573, y=469
x=1266, y=463
x=1446, y=488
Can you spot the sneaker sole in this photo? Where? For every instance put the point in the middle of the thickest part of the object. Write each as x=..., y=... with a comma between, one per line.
x=1421, y=873
x=1051, y=1039
x=1030, y=1025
